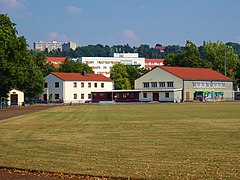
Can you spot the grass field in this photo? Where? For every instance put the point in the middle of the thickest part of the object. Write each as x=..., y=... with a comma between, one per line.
x=153, y=141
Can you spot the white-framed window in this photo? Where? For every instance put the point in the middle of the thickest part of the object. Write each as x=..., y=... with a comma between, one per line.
x=161, y=84
x=102, y=85
x=95, y=85
x=74, y=96
x=82, y=96
x=146, y=84
x=82, y=84
x=74, y=84
x=169, y=84
x=153, y=84
x=56, y=84
x=166, y=94
x=194, y=84
x=199, y=84
x=89, y=96
x=207, y=84
x=89, y=85
x=223, y=84
x=56, y=96
x=144, y=95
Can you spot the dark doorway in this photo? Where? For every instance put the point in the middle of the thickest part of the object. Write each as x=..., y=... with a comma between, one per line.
x=156, y=96
x=14, y=99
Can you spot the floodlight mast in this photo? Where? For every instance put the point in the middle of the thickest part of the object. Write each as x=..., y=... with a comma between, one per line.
x=225, y=64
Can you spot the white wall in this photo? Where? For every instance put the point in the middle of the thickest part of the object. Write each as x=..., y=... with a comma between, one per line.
x=103, y=65
x=67, y=92
x=20, y=96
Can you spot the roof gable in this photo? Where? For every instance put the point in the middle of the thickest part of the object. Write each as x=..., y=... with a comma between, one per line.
x=187, y=73
x=80, y=77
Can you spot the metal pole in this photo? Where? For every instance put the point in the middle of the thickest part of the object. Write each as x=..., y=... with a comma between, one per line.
x=225, y=64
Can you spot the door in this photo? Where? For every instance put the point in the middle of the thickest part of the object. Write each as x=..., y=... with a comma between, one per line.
x=14, y=99
x=45, y=97
x=156, y=96
x=187, y=96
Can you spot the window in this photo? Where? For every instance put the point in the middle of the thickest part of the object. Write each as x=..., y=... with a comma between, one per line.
x=207, y=84
x=169, y=84
x=161, y=84
x=223, y=85
x=146, y=84
x=211, y=84
x=167, y=95
x=95, y=85
x=45, y=85
x=194, y=84
x=82, y=96
x=144, y=95
x=89, y=85
x=102, y=85
x=74, y=96
x=104, y=67
x=89, y=96
x=153, y=84
x=56, y=96
x=56, y=84
x=82, y=85
x=75, y=84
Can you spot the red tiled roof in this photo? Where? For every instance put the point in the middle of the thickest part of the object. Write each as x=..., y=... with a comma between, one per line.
x=80, y=77
x=152, y=60
x=187, y=73
x=56, y=61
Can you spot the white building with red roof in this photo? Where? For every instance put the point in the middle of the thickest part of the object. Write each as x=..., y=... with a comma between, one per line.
x=151, y=63
x=168, y=83
x=56, y=61
x=74, y=87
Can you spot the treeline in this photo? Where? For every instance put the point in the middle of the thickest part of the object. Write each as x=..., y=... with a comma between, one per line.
x=143, y=50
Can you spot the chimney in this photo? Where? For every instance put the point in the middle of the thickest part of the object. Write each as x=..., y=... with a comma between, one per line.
x=84, y=73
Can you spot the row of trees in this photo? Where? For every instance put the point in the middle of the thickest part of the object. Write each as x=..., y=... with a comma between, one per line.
x=214, y=55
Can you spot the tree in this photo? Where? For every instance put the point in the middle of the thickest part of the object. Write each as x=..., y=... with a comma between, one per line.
x=216, y=53
x=120, y=76
x=71, y=66
x=17, y=67
x=41, y=61
x=134, y=72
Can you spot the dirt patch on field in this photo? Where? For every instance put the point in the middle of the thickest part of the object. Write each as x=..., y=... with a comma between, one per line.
x=16, y=111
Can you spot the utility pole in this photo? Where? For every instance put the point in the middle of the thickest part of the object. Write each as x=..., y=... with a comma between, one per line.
x=225, y=63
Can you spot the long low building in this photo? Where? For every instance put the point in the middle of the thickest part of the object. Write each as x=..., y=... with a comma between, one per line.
x=174, y=84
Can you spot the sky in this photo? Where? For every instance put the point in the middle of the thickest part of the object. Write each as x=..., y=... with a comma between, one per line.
x=133, y=22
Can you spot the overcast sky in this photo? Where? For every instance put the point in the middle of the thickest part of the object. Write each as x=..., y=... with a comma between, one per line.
x=136, y=22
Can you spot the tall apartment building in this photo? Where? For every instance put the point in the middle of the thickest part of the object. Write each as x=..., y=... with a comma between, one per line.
x=69, y=45
x=42, y=45
x=103, y=65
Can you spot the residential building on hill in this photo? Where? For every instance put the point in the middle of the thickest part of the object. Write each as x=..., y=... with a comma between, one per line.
x=56, y=61
x=103, y=65
x=43, y=45
x=69, y=45
x=152, y=63
x=74, y=87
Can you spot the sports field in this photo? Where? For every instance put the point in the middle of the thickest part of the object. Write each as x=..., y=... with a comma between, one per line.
x=153, y=141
